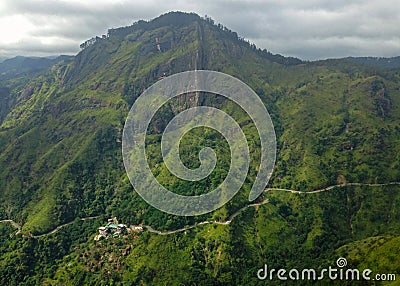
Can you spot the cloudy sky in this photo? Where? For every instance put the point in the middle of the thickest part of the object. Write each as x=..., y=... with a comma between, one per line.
x=308, y=29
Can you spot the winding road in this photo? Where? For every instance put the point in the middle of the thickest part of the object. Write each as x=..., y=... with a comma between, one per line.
x=63, y=225
x=17, y=226
x=226, y=222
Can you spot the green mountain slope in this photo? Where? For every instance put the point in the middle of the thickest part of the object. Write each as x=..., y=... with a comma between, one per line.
x=60, y=160
x=384, y=63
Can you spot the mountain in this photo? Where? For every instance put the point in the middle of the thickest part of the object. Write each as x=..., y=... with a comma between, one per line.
x=384, y=63
x=62, y=176
x=20, y=65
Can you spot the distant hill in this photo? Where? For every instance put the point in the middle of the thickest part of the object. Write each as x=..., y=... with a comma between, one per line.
x=20, y=65
x=383, y=63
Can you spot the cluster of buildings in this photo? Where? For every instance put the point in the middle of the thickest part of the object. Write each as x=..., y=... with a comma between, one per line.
x=115, y=230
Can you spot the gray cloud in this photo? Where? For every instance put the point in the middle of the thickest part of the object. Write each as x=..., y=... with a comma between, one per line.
x=309, y=29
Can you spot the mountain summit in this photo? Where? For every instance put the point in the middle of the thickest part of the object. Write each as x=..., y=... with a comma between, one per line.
x=195, y=42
